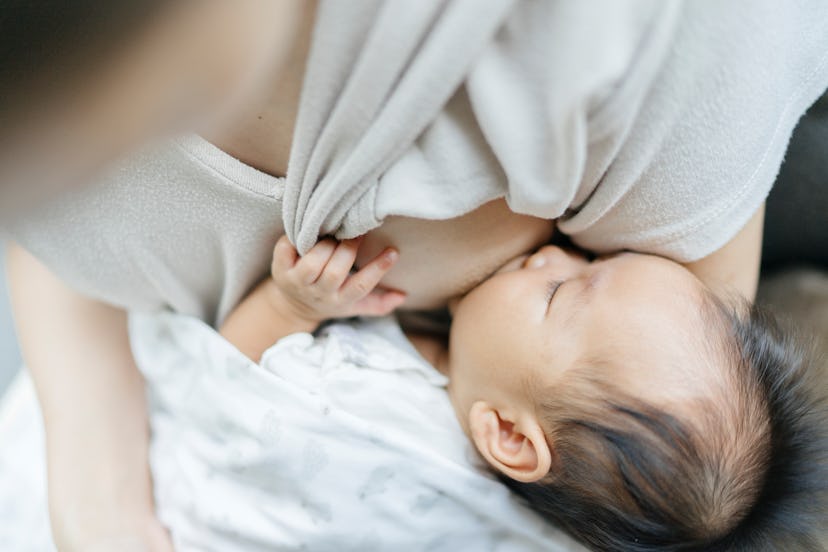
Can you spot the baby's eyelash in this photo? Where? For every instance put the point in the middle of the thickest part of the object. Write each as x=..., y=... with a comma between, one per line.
x=551, y=288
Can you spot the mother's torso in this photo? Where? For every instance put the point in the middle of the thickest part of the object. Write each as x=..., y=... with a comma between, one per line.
x=186, y=226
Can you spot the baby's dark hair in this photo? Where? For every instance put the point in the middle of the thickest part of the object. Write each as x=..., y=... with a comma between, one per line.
x=750, y=474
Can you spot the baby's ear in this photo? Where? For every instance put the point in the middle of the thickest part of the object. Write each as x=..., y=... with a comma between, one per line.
x=514, y=444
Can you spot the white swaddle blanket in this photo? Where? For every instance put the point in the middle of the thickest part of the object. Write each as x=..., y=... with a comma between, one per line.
x=346, y=441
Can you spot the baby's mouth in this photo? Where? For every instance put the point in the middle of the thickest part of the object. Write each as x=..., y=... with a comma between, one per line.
x=513, y=264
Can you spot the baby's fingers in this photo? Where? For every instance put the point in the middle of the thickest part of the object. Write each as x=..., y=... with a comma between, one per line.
x=363, y=282
x=339, y=265
x=310, y=267
x=284, y=256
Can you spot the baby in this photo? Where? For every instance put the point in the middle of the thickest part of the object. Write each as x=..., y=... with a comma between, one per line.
x=628, y=405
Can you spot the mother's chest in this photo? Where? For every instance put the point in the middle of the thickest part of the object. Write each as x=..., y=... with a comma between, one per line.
x=182, y=227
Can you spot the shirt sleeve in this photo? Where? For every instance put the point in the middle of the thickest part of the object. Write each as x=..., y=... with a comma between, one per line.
x=707, y=144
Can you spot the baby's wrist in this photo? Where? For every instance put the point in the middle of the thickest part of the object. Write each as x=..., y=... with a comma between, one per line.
x=287, y=312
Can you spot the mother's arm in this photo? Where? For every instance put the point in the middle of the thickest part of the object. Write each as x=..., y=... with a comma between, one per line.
x=92, y=398
x=735, y=266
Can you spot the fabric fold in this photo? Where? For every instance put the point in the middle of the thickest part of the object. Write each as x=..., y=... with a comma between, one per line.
x=404, y=71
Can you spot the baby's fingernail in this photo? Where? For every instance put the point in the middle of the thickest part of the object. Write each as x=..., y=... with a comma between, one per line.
x=392, y=255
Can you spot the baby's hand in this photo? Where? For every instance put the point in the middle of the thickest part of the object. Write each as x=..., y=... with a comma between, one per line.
x=320, y=285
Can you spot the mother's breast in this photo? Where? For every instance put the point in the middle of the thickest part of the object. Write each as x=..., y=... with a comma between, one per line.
x=440, y=259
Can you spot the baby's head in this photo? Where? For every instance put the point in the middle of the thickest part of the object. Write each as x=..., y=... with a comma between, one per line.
x=634, y=409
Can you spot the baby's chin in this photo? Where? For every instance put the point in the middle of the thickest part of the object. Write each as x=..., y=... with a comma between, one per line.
x=453, y=303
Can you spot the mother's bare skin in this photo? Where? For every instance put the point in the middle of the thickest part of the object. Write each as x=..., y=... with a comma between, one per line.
x=441, y=259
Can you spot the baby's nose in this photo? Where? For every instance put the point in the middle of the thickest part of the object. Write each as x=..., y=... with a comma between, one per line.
x=551, y=254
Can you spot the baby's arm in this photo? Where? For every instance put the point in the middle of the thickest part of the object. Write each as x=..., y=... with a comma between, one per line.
x=304, y=291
